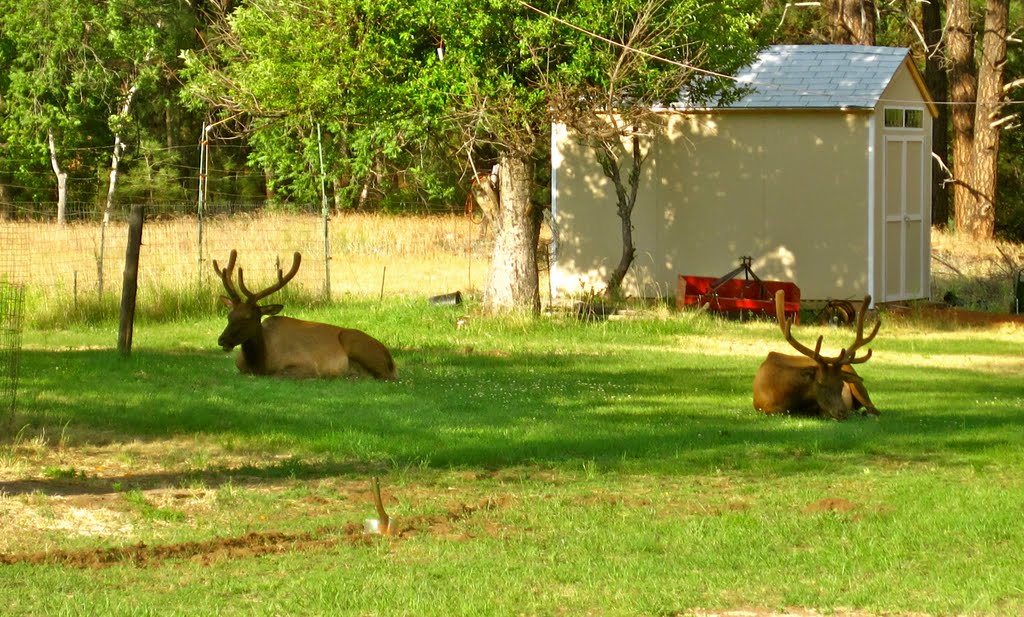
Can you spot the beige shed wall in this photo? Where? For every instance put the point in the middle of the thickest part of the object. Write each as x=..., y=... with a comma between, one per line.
x=788, y=188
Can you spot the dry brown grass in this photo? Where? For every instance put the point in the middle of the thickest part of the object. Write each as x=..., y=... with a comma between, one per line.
x=975, y=274
x=954, y=254
x=410, y=255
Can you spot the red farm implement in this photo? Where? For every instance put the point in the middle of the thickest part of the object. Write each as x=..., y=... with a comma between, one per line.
x=737, y=296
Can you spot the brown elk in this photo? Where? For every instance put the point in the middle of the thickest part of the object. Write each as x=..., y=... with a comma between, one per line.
x=812, y=384
x=289, y=347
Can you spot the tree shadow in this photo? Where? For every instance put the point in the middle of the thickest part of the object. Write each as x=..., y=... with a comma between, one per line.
x=677, y=414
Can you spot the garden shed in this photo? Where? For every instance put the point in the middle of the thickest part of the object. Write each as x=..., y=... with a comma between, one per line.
x=821, y=173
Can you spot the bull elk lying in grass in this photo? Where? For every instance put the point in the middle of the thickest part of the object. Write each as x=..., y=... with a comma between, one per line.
x=811, y=384
x=288, y=347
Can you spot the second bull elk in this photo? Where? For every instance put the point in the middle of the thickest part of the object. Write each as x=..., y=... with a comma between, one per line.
x=813, y=384
x=289, y=347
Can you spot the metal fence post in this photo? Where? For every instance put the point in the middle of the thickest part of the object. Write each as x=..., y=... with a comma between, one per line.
x=325, y=214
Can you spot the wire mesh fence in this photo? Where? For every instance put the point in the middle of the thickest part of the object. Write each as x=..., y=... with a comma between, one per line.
x=345, y=254
x=12, y=281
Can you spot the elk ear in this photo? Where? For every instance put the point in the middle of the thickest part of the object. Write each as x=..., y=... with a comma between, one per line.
x=228, y=302
x=271, y=309
x=849, y=377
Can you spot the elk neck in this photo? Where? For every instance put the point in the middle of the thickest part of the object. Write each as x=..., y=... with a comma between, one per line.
x=254, y=351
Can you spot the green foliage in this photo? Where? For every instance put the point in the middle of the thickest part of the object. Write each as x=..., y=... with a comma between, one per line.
x=68, y=68
x=152, y=177
x=410, y=92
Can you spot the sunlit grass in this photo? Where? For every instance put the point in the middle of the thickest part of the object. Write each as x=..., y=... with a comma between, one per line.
x=539, y=466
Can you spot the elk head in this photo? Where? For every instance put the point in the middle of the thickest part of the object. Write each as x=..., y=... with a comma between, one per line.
x=245, y=316
x=812, y=383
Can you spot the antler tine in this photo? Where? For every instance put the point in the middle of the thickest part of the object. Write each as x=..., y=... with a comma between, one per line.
x=282, y=280
x=225, y=276
x=860, y=341
x=786, y=326
x=861, y=359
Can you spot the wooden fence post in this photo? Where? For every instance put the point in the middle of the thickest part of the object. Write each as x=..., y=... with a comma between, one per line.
x=131, y=280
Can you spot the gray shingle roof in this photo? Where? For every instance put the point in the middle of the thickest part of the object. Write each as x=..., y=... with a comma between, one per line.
x=819, y=76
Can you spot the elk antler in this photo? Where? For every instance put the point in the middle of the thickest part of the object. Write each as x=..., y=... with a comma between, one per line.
x=785, y=325
x=282, y=280
x=225, y=276
x=847, y=355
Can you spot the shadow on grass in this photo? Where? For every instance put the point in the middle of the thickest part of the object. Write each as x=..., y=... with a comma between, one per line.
x=636, y=412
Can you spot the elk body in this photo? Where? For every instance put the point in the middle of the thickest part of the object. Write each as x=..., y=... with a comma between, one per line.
x=812, y=384
x=288, y=347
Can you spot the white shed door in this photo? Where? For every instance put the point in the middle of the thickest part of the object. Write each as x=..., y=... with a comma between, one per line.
x=903, y=236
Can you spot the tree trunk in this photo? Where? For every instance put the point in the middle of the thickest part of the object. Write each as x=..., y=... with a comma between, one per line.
x=115, y=163
x=963, y=94
x=268, y=185
x=852, y=22
x=625, y=197
x=62, y=179
x=986, y=121
x=512, y=282
x=364, y=192
x=938, y=84
x=485, y=195
x=169, y=133
x=115, y=157
x=6, y=199
x=339, y=194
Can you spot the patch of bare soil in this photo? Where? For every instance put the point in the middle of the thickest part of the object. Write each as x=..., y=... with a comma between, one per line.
x=249, y=545
x=831, y=504
x=253, y=544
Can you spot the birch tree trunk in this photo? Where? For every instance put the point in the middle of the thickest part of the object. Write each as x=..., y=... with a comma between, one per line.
x=115, y=162
x=62, y=179
x=512, y=281
x=115, y=157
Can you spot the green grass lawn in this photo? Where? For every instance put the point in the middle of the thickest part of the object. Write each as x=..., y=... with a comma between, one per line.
x=544, y=467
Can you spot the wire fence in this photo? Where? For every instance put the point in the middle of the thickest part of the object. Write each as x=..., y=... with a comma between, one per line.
x=12, y=274
x=357, y=254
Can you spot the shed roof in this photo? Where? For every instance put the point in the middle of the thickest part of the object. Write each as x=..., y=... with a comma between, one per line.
x=821, y=76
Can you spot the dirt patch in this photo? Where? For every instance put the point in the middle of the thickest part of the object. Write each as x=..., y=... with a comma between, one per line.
x=830, y=504
x=251, y=544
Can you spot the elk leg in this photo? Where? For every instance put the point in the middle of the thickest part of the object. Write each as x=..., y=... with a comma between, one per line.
x=367, y=354
x=861, y=399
